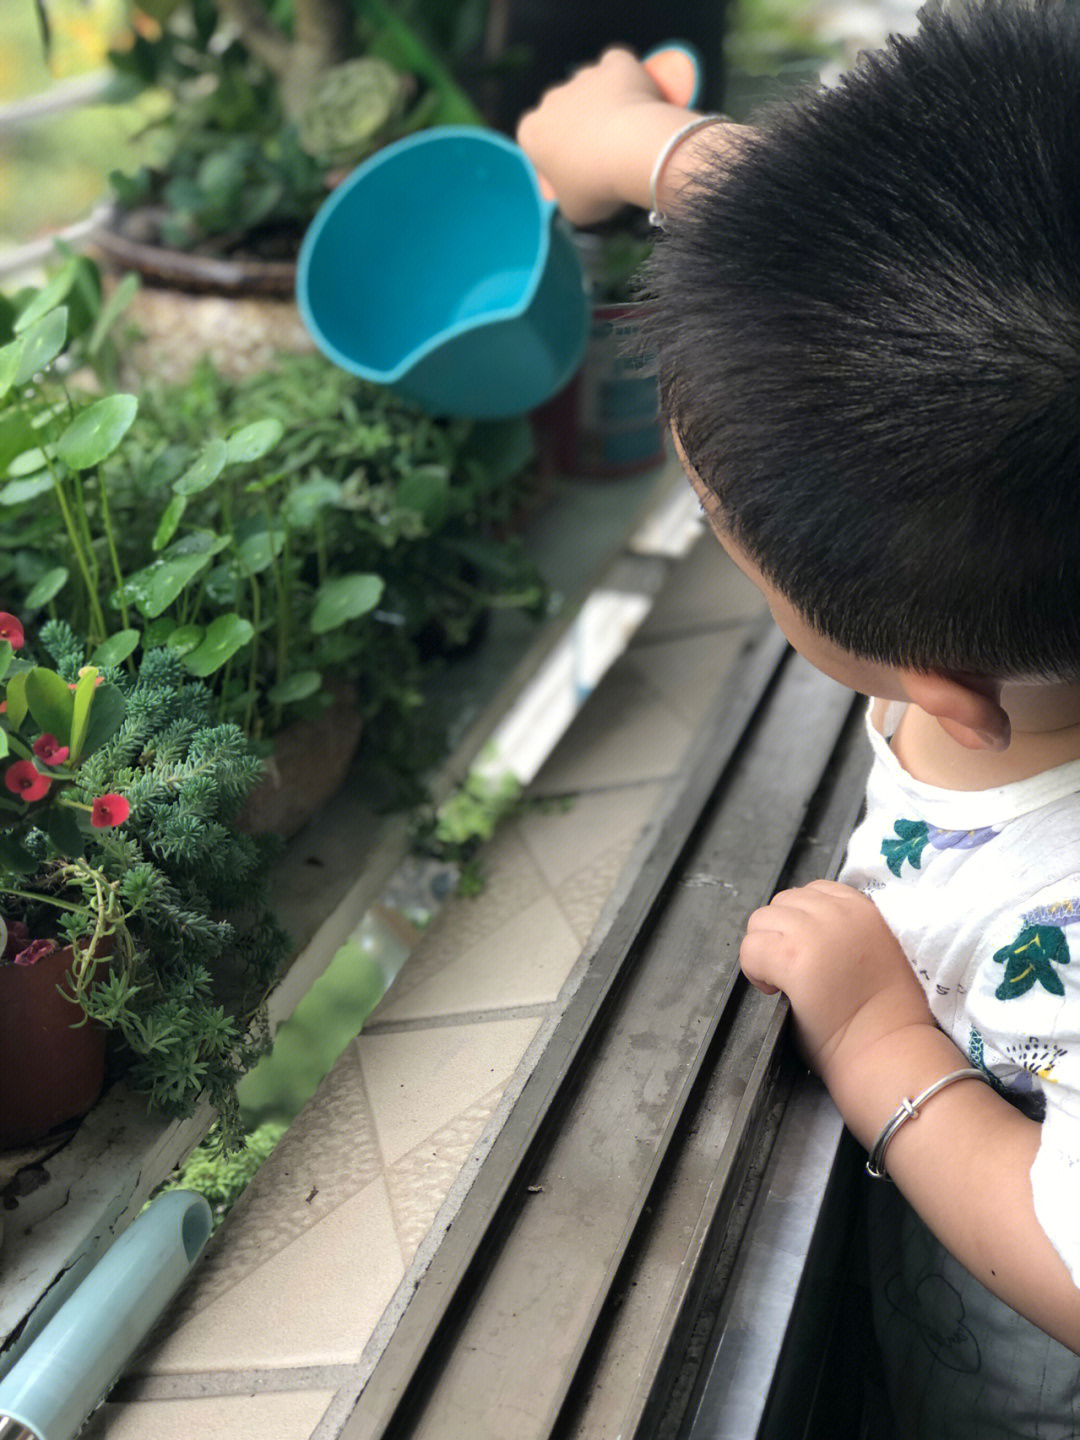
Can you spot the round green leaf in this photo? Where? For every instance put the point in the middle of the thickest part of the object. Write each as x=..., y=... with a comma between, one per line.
x=50, y=295
x=184, y=638
x=255, y=553
x=170, y=519
x=30, y=462
x=304, y=503
x=41, y=344
x=204, y=471
x=154, y=588
x=157, y=632
x=50, y=585
x=116, y=649
x=10, y=364
x=226, y=635
x=96, y=431
x=344, y=598
x=253, y=441
x=297, y=686
x=18, y=492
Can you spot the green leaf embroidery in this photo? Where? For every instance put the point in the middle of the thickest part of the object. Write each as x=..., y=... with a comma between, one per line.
x=1031, y=958
x=914, y=838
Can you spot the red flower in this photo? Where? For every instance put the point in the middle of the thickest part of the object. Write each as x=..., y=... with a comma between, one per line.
x=48, y=749
x=109, y=810
x=11, y=630
x=35, y=951
x=26, y=782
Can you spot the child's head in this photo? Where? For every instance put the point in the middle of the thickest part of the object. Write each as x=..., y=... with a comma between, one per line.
x=869, y=333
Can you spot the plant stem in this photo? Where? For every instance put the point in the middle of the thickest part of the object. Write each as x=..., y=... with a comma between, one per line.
x=97, y=617
x=118, y=573
x=253, y=670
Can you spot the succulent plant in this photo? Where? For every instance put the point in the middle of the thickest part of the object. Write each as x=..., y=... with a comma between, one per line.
x=350, y=107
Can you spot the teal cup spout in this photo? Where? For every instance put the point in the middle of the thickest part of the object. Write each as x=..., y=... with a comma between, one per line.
x=63, y=1374
x=439, y=269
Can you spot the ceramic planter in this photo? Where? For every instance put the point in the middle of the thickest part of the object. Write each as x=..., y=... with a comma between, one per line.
x=50, y=1072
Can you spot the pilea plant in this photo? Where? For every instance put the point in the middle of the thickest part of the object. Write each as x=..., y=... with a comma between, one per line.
x=123, y=847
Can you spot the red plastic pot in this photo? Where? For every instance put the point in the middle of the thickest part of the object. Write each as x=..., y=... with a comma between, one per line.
x=50, y=1072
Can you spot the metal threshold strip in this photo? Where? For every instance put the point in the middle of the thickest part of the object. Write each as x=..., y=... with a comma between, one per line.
x=563, y=1298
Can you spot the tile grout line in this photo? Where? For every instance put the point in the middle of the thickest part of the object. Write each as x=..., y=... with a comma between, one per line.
x=535, y=1011
x=220, y=1384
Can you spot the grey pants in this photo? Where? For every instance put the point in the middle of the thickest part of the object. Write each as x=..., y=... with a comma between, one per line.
x=959, y=1363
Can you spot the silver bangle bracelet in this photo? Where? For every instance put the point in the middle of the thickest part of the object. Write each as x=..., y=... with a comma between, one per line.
x=907, y=1110
x=656, y=215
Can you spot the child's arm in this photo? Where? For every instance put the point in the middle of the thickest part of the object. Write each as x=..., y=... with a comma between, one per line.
x=863, y=1024
x=596, y=138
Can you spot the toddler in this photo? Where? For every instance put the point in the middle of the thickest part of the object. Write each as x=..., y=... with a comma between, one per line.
x=867, y=312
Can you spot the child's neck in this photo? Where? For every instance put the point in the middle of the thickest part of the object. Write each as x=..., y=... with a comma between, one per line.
x=1045, y=733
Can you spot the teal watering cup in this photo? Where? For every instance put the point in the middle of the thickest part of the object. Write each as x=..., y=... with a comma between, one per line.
x=439, y=269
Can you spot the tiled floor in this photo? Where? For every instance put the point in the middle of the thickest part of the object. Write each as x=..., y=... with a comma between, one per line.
x=295, y=1296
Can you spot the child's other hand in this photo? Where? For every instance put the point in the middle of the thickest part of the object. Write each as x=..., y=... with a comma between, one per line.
x=828, y=949
x=579, y=139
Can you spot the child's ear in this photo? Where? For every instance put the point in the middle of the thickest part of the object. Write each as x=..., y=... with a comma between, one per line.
x=967, y=707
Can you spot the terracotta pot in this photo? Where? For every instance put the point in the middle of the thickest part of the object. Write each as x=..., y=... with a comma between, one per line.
x=49, y=1072
x=310, y=761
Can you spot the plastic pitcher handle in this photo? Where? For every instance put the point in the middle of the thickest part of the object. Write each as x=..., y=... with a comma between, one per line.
x=676, y=69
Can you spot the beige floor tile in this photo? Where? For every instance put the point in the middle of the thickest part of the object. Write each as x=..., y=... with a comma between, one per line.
x=706, y=589
x=523, y=963
x=688, y=672
x=624, y=735
x=418, y=1081
x=291, y=1416
x=315, y=1302
x=513, y=884
x=566, y=839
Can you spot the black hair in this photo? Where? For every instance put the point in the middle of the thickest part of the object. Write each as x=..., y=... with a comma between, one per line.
x=868, y=323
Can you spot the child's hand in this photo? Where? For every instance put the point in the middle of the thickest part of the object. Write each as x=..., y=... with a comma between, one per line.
x=585, y=140
x=850, y=984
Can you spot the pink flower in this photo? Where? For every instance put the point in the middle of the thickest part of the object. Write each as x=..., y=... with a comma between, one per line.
x=35, y=951
x=11, y=630
x=48, y=749
x=109, y=810
x=26, y=782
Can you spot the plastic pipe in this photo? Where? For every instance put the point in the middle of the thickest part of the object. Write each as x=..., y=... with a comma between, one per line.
x=75, y=1361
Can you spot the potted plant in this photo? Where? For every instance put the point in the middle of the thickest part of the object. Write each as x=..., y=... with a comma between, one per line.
x=126, y=896
x=308, y=546
x=268, y=105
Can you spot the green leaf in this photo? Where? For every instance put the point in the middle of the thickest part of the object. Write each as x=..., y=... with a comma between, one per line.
x=298, y=686
x=258, y=551
x=184, y=638
x=223, y=638
x=116, y=649
x=14, y=859
x=62, y=828
x=154, y=589
x=50, y=584
x=5, y=748
x=96, y=431
x=344, y=598
x=10, y=364
x=48, y=297
x=7, y=654
x=170, y=519
x=81, y=705
x=157, y=632
x=106, y=716
x=304, y=503
x=32, y=464
x=914, y=838
x=425, y=490
x=16, y=699
x=253, y=441
x=16, y=435
x=41, y=344
x=51, y=703
x=205, y=470
x=118, y=301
